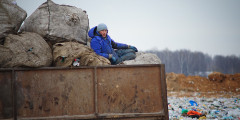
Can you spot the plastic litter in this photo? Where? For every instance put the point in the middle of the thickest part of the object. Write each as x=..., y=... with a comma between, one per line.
x=193, y=103
x=63, y=58
x=30, y=49
x=228, y=118
x=213, y=108
x=184, y=111
x=76, y=62
x=203, y=118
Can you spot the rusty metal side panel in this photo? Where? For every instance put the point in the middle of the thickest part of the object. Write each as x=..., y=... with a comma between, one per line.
x=106, y=92
x=164, y=91
x=48, y=93
x=6, y=94
x=130, y=90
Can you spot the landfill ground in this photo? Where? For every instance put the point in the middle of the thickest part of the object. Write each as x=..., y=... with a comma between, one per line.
x=220, y=106
x=218, y=96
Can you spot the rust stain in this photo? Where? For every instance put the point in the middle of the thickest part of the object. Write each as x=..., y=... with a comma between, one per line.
x=119, y=92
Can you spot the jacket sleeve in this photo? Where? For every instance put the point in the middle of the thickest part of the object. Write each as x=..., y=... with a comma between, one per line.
x=96, y=46
x=116, y=45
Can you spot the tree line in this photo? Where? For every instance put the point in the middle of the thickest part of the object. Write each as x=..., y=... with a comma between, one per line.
x=197, y=63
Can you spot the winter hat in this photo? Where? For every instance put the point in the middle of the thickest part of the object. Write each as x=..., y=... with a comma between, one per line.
x=101, y=26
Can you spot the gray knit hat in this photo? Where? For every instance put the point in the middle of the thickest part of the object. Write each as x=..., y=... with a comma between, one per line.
x=101, y=26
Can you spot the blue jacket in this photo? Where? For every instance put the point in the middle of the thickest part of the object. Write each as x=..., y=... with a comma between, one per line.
x=104, y=46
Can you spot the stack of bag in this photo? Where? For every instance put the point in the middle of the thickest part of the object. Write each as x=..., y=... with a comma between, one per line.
x=54, y=35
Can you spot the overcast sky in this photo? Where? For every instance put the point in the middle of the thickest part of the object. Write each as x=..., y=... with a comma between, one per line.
x=208, y=26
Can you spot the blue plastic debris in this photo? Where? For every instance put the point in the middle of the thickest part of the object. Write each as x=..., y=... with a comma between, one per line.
x=193, y=103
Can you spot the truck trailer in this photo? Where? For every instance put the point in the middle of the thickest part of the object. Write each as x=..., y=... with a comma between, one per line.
x=119, y=92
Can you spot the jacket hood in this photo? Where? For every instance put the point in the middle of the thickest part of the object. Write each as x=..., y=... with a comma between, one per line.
x=92, y=31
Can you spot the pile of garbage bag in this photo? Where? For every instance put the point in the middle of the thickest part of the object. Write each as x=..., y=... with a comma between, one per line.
x=54, y=35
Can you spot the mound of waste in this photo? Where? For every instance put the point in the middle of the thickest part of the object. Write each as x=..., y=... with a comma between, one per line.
x=25, y=50
x=180, y=108
x=53, y=36
x=58, y=23
x=11, y=17
x=65, y=53
x=215, y=83
x=143, y=58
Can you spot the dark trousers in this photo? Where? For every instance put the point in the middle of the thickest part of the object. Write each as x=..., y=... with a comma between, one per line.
x=124, y=54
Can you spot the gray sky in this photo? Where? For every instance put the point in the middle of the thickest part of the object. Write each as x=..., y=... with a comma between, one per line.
x=208, y=26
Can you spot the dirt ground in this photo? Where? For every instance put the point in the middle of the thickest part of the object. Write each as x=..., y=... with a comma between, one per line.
x=215, y=85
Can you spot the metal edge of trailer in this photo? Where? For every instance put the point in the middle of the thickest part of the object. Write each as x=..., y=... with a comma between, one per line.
x=96, y=115
x=6, y=95
x=14, y=95
x=80, y=67
x=164, y=91
x=111, y=116
x=131, y=115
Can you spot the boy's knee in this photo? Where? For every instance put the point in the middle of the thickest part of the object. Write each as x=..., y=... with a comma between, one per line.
x=130, y=51
x=130, y=56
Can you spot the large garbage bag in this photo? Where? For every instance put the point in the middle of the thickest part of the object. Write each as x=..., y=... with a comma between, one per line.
x=58, y=23
x=25, y=50
x=143, y=58
x=11, y=18
x=65, y=53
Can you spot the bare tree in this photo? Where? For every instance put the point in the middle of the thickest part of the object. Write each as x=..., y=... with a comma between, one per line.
x=182, y=57
x=194, y=63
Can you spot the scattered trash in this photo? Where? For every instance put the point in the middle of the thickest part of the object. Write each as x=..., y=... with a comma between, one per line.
x=210, y=108
x=193, y=103
x=184, y=111
x=76, y=62
x=30, y=49
x=62, y=58
x=203, y=118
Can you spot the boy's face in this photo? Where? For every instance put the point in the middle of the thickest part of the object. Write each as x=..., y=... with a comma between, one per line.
x=103, y=33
